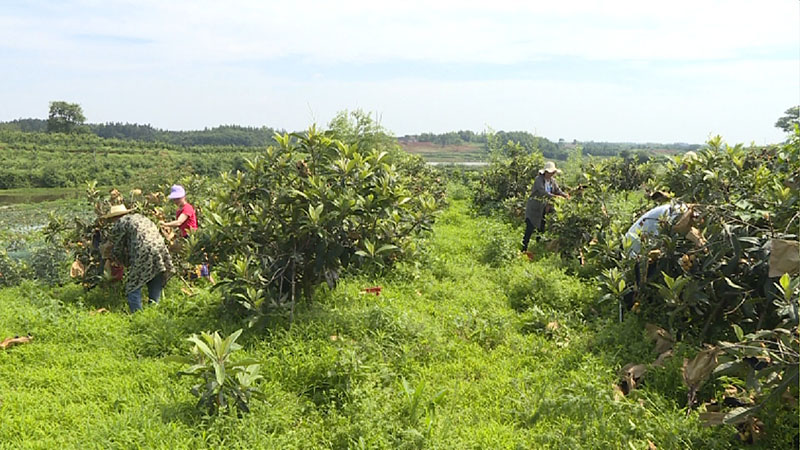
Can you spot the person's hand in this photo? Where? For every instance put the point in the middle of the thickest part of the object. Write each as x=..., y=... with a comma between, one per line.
x=566, y=195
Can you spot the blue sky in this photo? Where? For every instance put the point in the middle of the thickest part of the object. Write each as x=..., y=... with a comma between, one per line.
x=588, y=70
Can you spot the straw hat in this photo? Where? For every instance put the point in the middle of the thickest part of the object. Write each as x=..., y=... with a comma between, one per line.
x=549, y=167
x=660, y=195
x=116, y=210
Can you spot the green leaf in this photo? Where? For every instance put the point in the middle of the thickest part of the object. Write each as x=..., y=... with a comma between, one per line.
x=738, y=330
x=219, y=372
x=386, y=248
x=300, y=193
x=668, y=280
x=785, y=282
x=193, y=370
x=202, y=346
x=228, y=342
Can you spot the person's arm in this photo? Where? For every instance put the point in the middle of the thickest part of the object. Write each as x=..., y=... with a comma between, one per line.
x=177, y=222
x=557, y=190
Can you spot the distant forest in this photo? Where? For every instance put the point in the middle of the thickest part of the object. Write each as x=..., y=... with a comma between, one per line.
x=224, y=135
x=553, y=150
x=239, y=136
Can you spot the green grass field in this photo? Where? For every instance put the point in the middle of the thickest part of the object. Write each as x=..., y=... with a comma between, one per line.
x=517, y=354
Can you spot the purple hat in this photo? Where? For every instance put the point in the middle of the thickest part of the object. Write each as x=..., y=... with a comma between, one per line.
x=176, y=191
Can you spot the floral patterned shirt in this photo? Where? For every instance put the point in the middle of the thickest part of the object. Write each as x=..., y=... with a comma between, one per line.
x=140, y=247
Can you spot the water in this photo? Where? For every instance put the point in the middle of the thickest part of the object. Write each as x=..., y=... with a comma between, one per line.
x=17, y=196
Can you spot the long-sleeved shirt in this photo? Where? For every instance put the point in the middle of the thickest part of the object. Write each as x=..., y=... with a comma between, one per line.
x=138, y=244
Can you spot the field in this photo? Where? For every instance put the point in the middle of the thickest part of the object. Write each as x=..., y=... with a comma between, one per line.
x=42, y=160
x=387, y=304
x=487, y=375
x=470, y=152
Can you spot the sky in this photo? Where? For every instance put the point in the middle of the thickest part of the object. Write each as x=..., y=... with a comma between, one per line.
x=632, y=71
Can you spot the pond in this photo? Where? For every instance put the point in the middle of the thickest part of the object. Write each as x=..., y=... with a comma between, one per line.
x=29, y=196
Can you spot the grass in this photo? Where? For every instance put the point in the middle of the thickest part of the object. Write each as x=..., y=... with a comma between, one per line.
x=473, y=340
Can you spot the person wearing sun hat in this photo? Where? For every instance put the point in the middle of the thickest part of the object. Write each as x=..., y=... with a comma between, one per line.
x=185, y=217
x=138, y=245
x=545, y=188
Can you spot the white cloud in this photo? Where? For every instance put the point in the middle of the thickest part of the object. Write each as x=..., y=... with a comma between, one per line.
x=178, y=64
x=442, y=31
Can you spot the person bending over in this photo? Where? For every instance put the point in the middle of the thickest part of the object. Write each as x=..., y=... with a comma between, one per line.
x=137, y=244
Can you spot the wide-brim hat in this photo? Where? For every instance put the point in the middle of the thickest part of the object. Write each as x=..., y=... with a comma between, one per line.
x=550, y=167
x=661, y=194
x=116, y=210
x=176, y=191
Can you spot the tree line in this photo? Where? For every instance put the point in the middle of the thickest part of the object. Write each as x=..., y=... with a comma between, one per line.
x=223, y=135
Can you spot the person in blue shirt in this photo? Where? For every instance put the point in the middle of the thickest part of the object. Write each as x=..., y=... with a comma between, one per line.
x=647, y=223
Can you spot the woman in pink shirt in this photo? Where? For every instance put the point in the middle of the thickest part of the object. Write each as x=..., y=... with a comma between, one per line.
x=185, y=218
x=185, y=221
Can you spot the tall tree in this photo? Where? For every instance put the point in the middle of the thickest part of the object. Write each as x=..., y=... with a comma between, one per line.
x=789, y=120
x=64, y=117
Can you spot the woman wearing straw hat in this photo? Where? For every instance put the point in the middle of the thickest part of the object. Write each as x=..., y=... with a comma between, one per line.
x=545, y=187
x=137, y=244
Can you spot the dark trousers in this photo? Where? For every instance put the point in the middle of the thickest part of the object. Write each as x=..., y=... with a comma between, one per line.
x=529, y=228
x=628, y=299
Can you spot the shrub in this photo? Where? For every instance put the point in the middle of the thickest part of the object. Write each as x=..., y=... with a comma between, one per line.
x=49, y=264
x=305, y=211
x=225, y=384
x=716, y=285
x=620, y=173
x=507, y=181
x=83, y=238
x=11, y=272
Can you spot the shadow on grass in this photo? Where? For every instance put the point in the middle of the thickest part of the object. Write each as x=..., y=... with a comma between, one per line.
x=183, y=412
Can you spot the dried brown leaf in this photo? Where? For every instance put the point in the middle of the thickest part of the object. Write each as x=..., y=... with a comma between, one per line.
x=664, y=341
x=16, y=340
x=696, y=237
x=630, y=375
x=659, y=362
x=77, y=269
x=699, y=368
x=683, y=224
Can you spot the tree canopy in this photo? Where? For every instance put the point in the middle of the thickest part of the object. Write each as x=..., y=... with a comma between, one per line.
x=790, y=119
x=64, y=117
